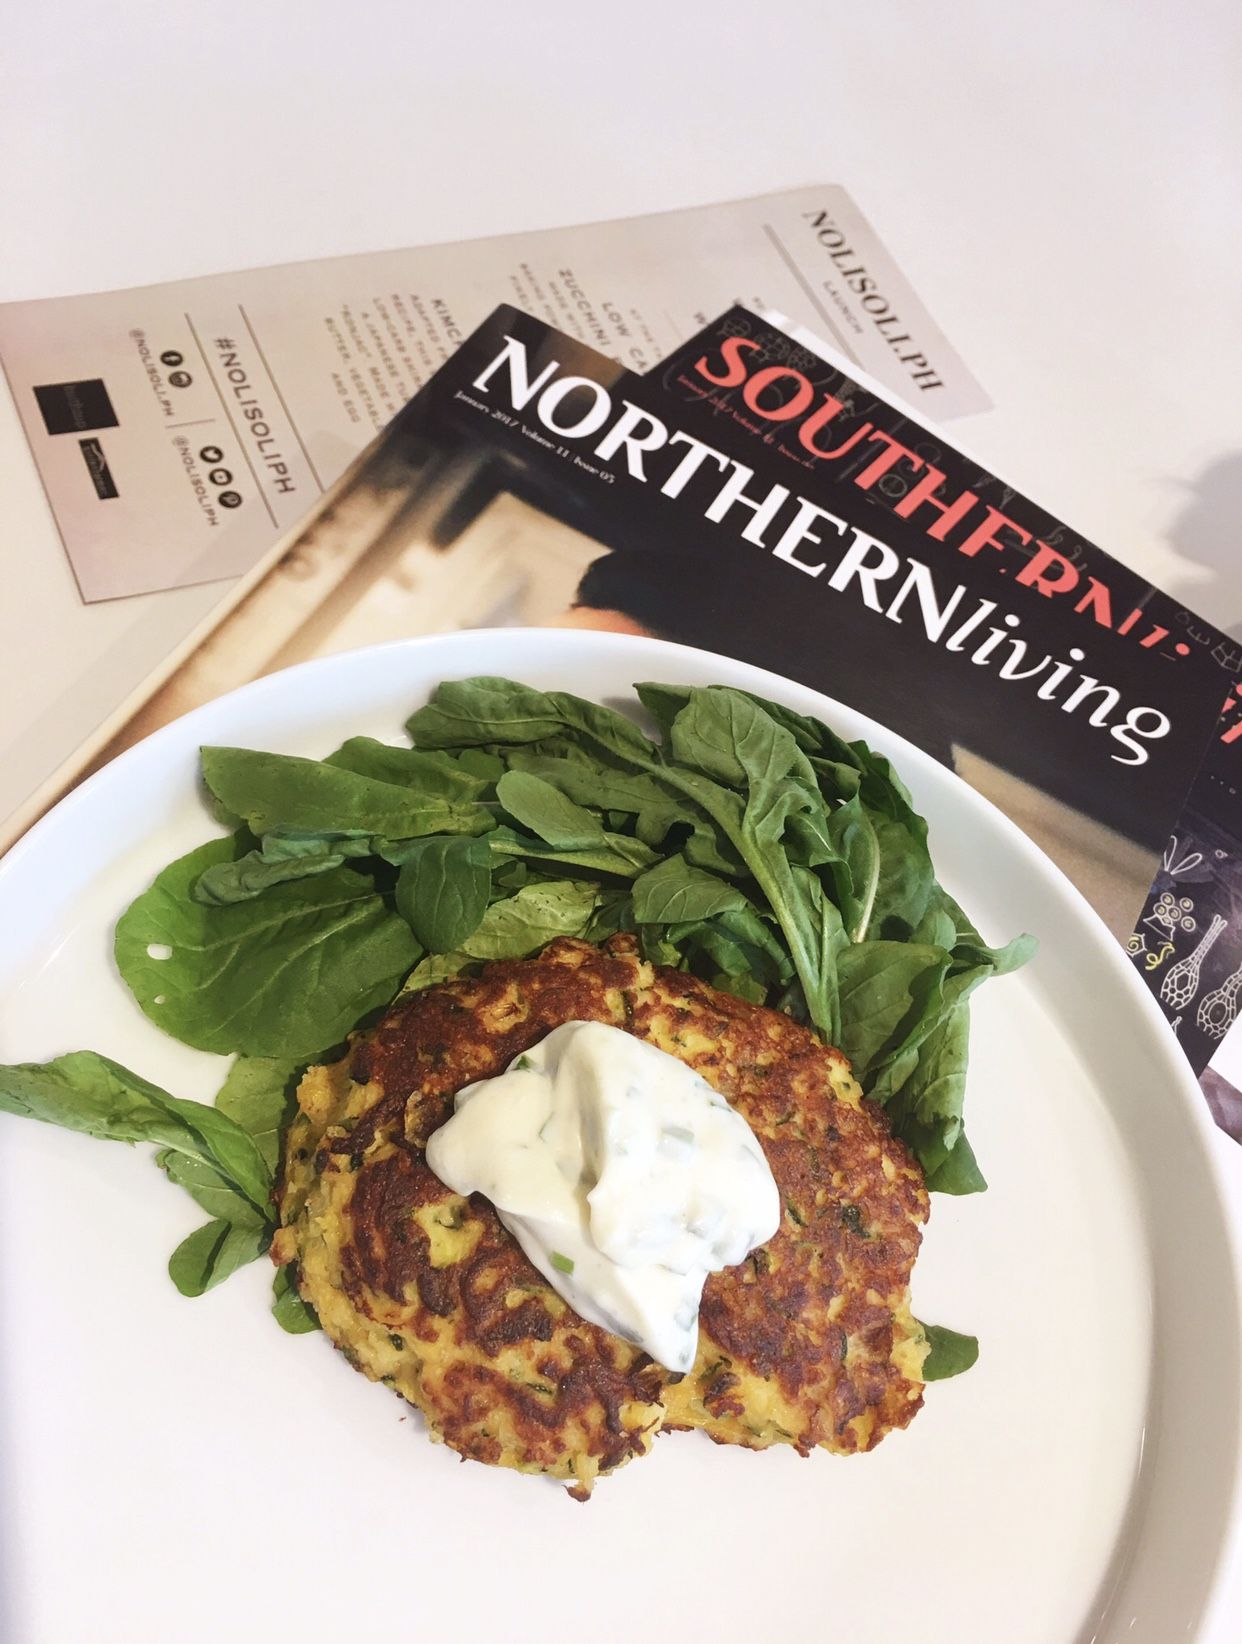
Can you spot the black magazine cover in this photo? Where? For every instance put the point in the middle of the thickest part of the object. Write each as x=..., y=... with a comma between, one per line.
x=749, y=497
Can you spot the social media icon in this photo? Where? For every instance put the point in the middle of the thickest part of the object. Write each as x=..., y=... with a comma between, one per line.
x=171, y=357
x=230, y=499
x=180, y=379
x=220, y=476
x=211, y=453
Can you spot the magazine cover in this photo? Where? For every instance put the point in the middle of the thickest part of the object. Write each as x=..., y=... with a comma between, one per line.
x=748, y=497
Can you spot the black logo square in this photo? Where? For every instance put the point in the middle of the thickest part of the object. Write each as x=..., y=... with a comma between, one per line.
x=76, y=407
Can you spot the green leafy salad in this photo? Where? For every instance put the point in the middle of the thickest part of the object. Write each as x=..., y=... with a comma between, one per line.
x=746, y=843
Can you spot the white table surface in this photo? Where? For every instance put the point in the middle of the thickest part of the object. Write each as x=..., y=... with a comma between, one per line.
x=1061, y=184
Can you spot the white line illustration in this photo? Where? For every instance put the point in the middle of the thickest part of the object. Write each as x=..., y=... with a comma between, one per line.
x=1181, y=981
x=1218, y=1010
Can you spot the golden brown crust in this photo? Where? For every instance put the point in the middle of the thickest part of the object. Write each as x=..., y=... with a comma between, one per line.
x=810, y=1342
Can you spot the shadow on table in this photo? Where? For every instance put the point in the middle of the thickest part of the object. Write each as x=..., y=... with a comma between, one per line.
x=1205, y=532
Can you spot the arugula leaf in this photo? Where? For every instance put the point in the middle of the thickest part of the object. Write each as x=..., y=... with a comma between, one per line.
x=291, y=1313
x=835, y=763
x=547, y=812
x=280, y=858
x=210, y=1254
x=485, y=710
x=763, y=953
x=734, y=951
x=880, y=985
x=90, y=1093
x=529, y=920
x=950, y=1353
x=287, y=975
x=613, y=912
x=674, y=891
x=905, y=879
x=443, y=890
x=260, y=1094
x=854, y=838
x=436, y=967
x=826, y=834
x=663, y=703
x=470, y=713
x=616, y=853
x=589, y=781
x=959, y=1171
x=210, y=1190
x=431, y=775
x=268, y=791
x=202, y=1149
x=728, y=737
x=761, y=756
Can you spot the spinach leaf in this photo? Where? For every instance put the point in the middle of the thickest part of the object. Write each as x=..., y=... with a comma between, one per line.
x=269, y=791
x=528, y=921
x=950, y=1353
x=208, y=1256
x=674, y=891
x=288, y=1309
x=443, y=890
x=287, y=975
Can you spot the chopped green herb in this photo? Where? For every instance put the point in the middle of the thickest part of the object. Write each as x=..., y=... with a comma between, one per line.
x=396, y=1341
x=851, y=1217
x=679, y=1133
x=562, y=1264
x=795, y=1214
x=523, y=1064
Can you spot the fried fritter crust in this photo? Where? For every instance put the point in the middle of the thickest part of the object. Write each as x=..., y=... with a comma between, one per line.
x=810, y=1342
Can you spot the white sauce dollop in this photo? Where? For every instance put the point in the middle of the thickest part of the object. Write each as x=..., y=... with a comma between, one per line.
x=622, y=1174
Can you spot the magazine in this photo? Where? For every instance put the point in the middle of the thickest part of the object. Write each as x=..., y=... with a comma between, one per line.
x=181, y=430
x=749, y=495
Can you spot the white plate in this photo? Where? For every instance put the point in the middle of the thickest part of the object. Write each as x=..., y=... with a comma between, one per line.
x=181, y=1470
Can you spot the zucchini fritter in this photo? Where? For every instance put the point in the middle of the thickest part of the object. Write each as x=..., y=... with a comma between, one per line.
x=809, y=1342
